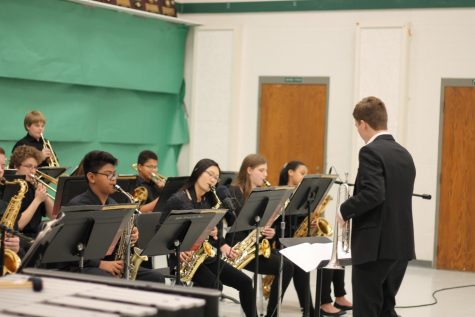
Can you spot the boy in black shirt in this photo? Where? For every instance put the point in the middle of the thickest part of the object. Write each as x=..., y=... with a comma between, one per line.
x=147, y=165
x=34, y=124
x=100, y=173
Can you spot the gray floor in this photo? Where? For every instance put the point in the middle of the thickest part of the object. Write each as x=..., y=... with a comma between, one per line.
x=417, y=287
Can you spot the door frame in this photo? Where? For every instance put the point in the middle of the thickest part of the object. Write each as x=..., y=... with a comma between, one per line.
x=301, y=80
x=445, y=82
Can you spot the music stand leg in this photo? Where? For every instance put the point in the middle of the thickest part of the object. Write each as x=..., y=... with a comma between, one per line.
x=256, y=271
x=178, y=266
x=80, y=249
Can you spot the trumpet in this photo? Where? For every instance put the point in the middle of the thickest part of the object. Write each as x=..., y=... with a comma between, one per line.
x=334, y=263
x=53, y=160
x=267, y=183
x=156, y=178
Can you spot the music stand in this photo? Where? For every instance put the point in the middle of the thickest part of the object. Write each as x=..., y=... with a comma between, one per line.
x=309, y=194
x=83, y=233
x=183, y=230
x=226, y=178
x=68, y=187
x=172, y=185
x=264, y=205
x=10, y=173
x=11, y=189
x=54, y=172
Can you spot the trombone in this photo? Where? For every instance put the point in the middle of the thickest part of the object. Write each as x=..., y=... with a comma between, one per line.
x=38, y=178
x=334, y=263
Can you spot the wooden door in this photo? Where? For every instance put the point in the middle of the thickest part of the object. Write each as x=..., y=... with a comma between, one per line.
x=456, y=236
x=292, y=126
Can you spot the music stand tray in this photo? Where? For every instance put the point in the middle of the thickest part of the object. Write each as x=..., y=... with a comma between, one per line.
x=267, y=203
x=311, y=190
x=94, y=228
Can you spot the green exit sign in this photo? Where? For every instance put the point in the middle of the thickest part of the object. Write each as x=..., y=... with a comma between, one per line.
x=293, y=79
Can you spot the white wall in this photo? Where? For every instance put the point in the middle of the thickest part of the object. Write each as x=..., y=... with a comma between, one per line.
x=440, y=45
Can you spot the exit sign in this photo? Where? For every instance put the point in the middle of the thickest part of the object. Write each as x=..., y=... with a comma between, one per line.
x=293, y=79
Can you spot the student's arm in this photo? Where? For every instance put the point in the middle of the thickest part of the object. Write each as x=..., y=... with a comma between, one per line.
x=147, y=208
x=27, y=215
x=49, y=207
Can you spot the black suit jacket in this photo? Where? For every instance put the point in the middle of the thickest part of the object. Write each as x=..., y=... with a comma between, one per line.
x=381, y=205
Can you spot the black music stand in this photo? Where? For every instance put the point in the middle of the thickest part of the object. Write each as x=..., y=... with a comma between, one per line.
x=172, y=185
x=83, y=233
x=54, y=172
x=127, y=183
x=10, y=190
x=9, y=172
x=68, y=187
x=264, y=205
x=309, y=194
x=183, y=230
x=226, y=178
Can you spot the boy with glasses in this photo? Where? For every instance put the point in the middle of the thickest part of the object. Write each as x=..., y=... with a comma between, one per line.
x=147, y=166
x=36, y=204
x=101, y=176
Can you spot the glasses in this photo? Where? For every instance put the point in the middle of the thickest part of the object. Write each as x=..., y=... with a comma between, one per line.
x=29, y=166
x=212, y=176
x=110, y=176
x=153, y=167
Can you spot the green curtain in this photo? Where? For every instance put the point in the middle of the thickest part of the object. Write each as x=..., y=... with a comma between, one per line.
x=104, y=79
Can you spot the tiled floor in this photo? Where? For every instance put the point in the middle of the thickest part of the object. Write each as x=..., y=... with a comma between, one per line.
x=417, y=288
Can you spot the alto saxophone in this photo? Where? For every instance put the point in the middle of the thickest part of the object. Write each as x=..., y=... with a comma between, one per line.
x=189, y=268
x=323, y=227
x=11, y=261
x=136, y=259
x=246, y=250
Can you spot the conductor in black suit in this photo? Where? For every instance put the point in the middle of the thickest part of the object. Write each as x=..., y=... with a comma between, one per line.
x=381, y=208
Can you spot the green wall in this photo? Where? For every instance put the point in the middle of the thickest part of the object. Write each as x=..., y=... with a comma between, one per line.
x=105, y=80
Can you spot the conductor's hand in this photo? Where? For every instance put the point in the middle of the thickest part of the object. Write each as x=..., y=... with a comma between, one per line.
x=229, y=252
x=40, y=193
x=134, y=236
x=185, y=256
x=113, y=267
x=340, y=219
x=268, y=232
x=12, y=243
x=214, y=233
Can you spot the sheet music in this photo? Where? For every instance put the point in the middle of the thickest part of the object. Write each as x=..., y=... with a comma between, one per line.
x=308, y=256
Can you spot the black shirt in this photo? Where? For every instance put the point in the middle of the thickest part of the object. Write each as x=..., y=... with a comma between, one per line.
x=33, y=227
x=153, y=192
x=89, y=198
x=181, y=201
x=31, y=141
